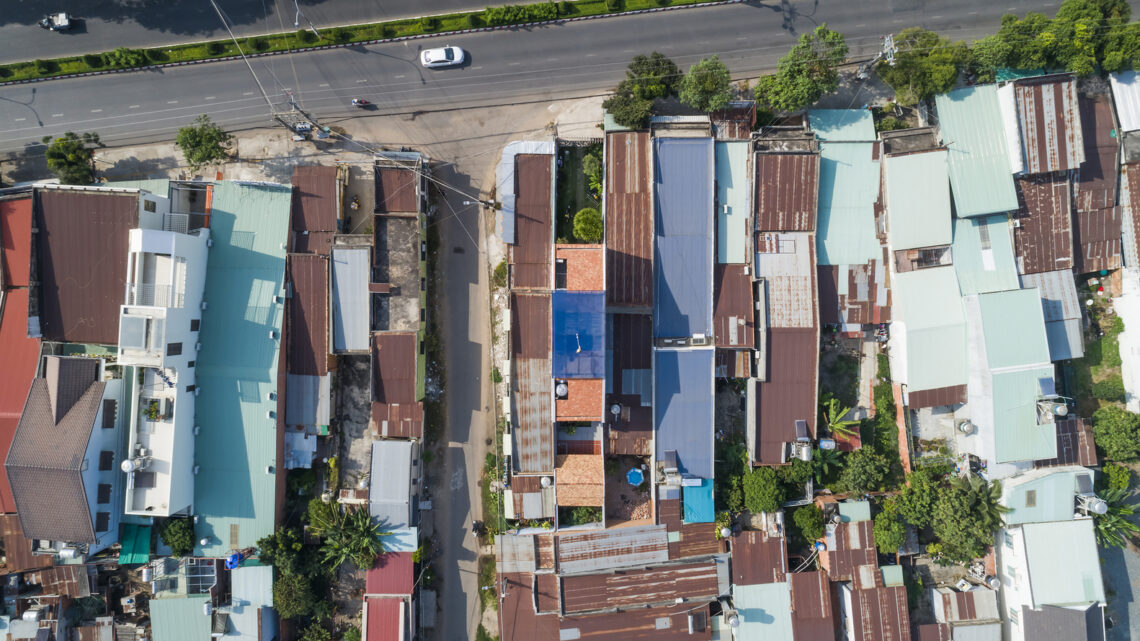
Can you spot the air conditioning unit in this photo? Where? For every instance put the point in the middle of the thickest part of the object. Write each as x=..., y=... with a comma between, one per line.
x=699, y=339
x=1016, y=224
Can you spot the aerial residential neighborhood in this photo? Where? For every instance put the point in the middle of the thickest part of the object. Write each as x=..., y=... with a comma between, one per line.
x=328, y=320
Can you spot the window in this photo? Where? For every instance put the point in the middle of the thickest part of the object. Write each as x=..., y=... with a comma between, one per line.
x=1031, y=498
x=423, y=314
x=106, y=461
x=173, y=349
x=191, y=388
x=1013, y=616
x=194, y=324
x=560, y=273
x=102, y=521
x=150, y=206
x=421, y=348
x=191, y=364
x=104, y=493
x=109, y=408
x=1009, y=540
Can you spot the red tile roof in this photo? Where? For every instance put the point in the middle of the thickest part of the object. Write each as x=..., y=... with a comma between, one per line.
x=384, y=620
x=308, y=328
x=21, y=355
x=15, y=241
x=392, y=574
x=585, y=266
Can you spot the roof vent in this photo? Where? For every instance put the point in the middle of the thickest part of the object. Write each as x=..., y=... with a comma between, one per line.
x=272, y=334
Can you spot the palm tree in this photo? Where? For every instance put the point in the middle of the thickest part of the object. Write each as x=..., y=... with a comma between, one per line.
x=833, y=414
x=986, y=499
x=1114, y=527
x=356, y=540
x=824, y=462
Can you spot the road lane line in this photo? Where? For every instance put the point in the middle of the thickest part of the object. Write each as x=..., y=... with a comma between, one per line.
x=96, y=111
x=323, y=84
x=513, y=64
x=211, y=97
x=973, y=13
x=131, y=107
x=20, y=119
x=400, y=76
x=360, y=82
x=856, y=26
x=57, y=115
x=936, y=17
x=171, y=102
x=475, y=68
x=248, y=93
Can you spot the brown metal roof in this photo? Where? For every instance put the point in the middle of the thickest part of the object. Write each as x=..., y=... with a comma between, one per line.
x=396, y=190
x=787, y=191
x=758, y=558
x=517, y=619
x=860, y=305
x=632, y=349
x=546, y=592
x=853, y=546
x=397, y=408
x=534, y=243
x=599, y=550
x=1050, y=121
x=62, y=580
x=734, y=122
x=789, y=393
x=18, y=549
x=734, y=363
x=827, y=277
x=1131, y=173
x=82, y=243
x=813, y=618
x=1096, y=182
x=666, y=623
x=937, y=397
x=314, y=242
x=733, y=308
x=697, y=539
x=1043, y=235
x=522, y=485
x=316, y=194
x=934, y=632
x=15, y=241
x=1097, y=239
x=630, y=588
x=585, y=266
x=531, y=383
x=308, y=329
x=629, y=220
x=880, y=614
x=1074, y=445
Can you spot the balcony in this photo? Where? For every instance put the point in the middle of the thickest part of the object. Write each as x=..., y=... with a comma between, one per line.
x=150, y=295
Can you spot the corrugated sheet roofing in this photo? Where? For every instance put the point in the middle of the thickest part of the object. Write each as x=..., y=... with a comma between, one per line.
x=812, y=614
x=786, y=264
x=765, y=611
x=350, y=298
x=683, y=408
x=1075, y=445
x=384, y=619
x=732, y=195
x=734, y=311
x=21, y=355
x=971, y=127
x=788, y=394
x=650, y=586
x=612, y=548
x=1096, y=179
x=880, y=614
x=842, y=124
x=1050, y=123
x=629, y=382
x=682, y=255
x=397, y=404
x=392, y=574
x=848, y=189
x=787, y=191
x=662, y=623
x=397, y=190
x=928, y=303
x=252, y=586
x=983, y=254
x=1126, y=94
x=1097, y=239
x=533, y=247
x=308, y=314
x=1062, y=310
x=18, y=548
x=1040, y=496
x=315, y=198
x=237, y=366
x=758, y=558
x=629, y=220
x=918, y=200
x=1078, y=579
x=579, y=334
x=1043, y=235
x=1018, y=437
x=15, y=241
x=179, y=619
x=1014, y=326
x=532, y=384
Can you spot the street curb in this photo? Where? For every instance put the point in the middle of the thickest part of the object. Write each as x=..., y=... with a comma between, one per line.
x=377, y=41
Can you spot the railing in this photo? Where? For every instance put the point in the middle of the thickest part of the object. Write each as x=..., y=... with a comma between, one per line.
x=154, y=295
x=178, y=223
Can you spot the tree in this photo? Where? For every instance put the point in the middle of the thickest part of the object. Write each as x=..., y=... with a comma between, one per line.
x=653, y=76
x=806, y=73
x=763, y=491
x=178, y=534
x=592, y=169
x=916, y=501
x=71, y=157
x=322, y=516
x=866, y=471
x=1114, y=527
x=588, y=225
x=203, y=142
x=833, y=414
x=627, y=108
x=352, y=634
x=809, y=519
x=285, y=550
x=824, y=462
x=357, y=540
x=986, y=497
x=1117, y=432
x=889, y=529
x=316, y=632
x=1116, y=476
x=925, y=64
x=706, y=86
x=293, y=596
x=965, y=517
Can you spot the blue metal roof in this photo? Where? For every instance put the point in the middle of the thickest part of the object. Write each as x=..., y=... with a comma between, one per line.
x=683, y=259
x=579, y=334
x=848, y=188
x=683, y=408
x=698, y=500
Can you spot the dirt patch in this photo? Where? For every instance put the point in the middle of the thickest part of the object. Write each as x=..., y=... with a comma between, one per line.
x=625, y=502
x=348, y=594
x=353, y=395
x=730, y=409
x=839, y=370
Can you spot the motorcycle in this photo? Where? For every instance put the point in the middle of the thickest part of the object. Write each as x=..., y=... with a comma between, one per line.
x=360, y=102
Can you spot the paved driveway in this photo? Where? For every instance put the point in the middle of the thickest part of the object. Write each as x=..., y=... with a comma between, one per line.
x=1120, y=568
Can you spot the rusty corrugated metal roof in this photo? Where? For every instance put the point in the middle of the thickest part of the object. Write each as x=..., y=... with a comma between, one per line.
x=18, y=549
x=629, y=220
x=397, y=408
x=629, y=352
x=308, y=328
x=937, y=397
x=534, y=243
x=531, y=383
x=397, y=190
x=517, y=619
x=734, y=122
x=1097, y=239
x=613, y=548
x=789, y=394
x=1132, y=176
x=1075, y=445
x=664, y=623
x=758, y=558
x=813, y=618
x=316, y=195
x=314, y=242
x=786, y=263
x=787, y=191
x=1096, y=182
x=733, y=308
x=880, y=614
x=1050, y=122
x=631, y=588
x=853, y=545
x=1042, y=234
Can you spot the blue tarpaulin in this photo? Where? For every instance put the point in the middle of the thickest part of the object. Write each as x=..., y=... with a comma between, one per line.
x=698, y=501
x=579, y=334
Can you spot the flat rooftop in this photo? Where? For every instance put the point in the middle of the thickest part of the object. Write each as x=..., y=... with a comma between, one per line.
x=397, y=248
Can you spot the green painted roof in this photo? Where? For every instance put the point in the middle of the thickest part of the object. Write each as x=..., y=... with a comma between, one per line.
x=848, y=188
x=732, y=189
x=179, y=619
x=765, y=611
x=1017, y=436
x=237, y=366
x=1013, y=324
x=892, y=575
x=980, y=175
x=135, y=544
x=157, y=186
x=1064, y=567
x=1040, y=496
x=983, y=254
x=854, y=511
x=929, y=306
x=918, y=200
x=842, y=124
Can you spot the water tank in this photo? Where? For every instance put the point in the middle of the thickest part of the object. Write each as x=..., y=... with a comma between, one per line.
x=545, y=482
x=725, y=532
x=68, y=553
x=993, y=582
x=733, y=620
x=33, y=614
x=1096, y=505
x=966, y=427
x=207, y=608
x=1061, y=409
x=134, y=464
x=146, y=573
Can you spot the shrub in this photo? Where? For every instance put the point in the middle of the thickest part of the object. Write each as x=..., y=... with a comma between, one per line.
x=316, y=632
x=496, y=377
x=93, y=60
x=46, y=66
x=387, y=32
x=5, y=72
x=293, y=595
x=352, y=634
x=306, y=36
x=472, y=20
x=429, y=24
x=126, y=58
x=762, y=490
x=259, y=44
x=340, y=35
x=809, y=519
x=1118, y=477
x=588, y=225
x=663, y=3
x=1117, y=432
x=215, y=48
x=1110, y=389
x=565, y=8
x=866, y=471
x=156, y=55
x=615, y=5
x=178, y=534
x=499, y=277
x=519, y=14
x=890, y=123
x=889, y=530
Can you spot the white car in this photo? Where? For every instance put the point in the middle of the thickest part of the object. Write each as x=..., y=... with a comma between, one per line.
x=443, y=57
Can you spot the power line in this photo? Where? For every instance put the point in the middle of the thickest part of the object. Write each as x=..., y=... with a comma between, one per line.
x=243, y=57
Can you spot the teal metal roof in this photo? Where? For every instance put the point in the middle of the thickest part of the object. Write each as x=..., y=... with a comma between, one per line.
x=842, y=124
x=157, y=186
x=135, y=542
x=732, y=192
x=929, y=305
x=1043, y=495
x=848, y=188
x=765, y=611
x=179, y=619
x=1017, y=435
x=892, y=575
x=918, y=200
x=237, y=366
x=1064, y=567
x=983, y=254
x=854, y=511
x=1013, y=324
x=980, y=175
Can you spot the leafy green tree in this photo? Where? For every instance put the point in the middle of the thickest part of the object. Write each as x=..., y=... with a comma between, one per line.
x=351, y=634
x=825, y=462
x=806, y=73
x=795, y=473
x=809, y=519
x=316, y=632
x=706, y=86
x=965, y=517
x=889, y=529
x=917, y=500
x=582, y=514
x=322, y=516
x=71, y=157
x=203, y=143
x=627, y=108
x=866, y=471
x=1025, y=41
x=833, y=414
x=588, y=225
x=178, y=534
x=925, y=64
x=1116, y=476
x=1117, y=432
x=1115, y=527
x=986, y=497
x=763, y=491
x=653, y=76
x=356, y=540
x=293, y=596
x=592, y=169
x=285, y=550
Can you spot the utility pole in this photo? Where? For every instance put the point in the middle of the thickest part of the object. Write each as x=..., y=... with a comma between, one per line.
x=886, y=53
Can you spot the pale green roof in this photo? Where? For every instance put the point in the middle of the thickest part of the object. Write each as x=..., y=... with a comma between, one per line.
x=983, y=254
x=1040, y=496
x=892, y=575
x=732, y=189
x=854, y=511
x=929, y=306
x=842, y=124
x=1064, y=567
x=1014, y=327
x=848, y=188
x=237, y=366
x=918, y=200
x=765, y=611
x=179, y=619
x=157, y=186
x=971, y=125
x=1017, y=435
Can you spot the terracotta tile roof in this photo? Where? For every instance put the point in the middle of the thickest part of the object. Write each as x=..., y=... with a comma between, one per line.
x=580, y=479
x=583, y=402
x=585, y=266
x=21, y=355
x=629, y=220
